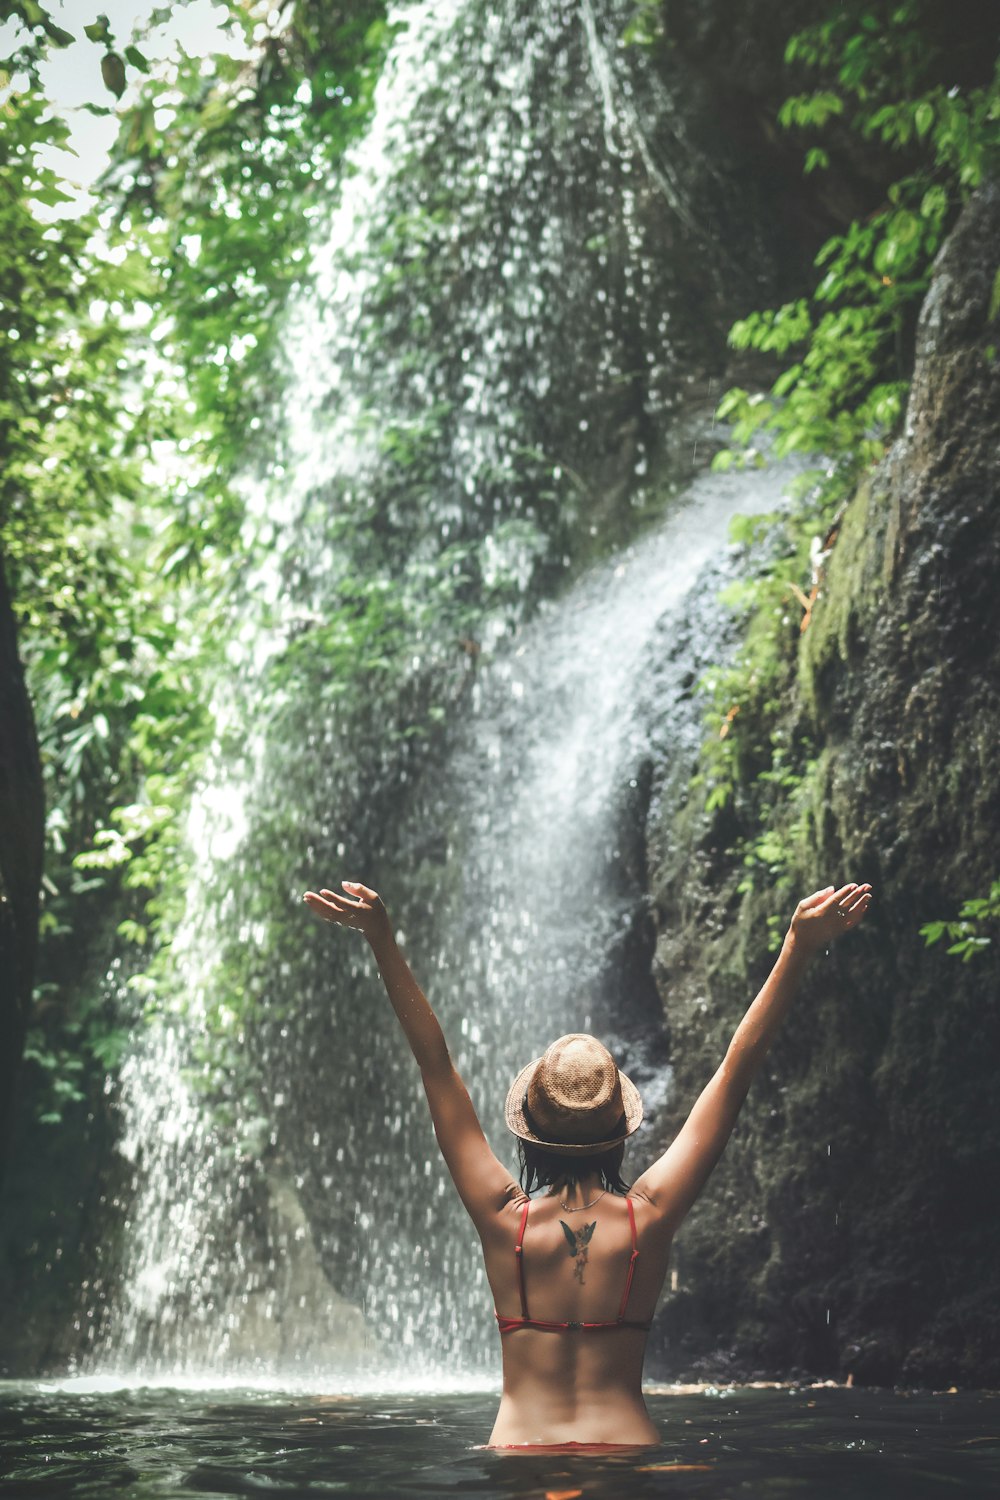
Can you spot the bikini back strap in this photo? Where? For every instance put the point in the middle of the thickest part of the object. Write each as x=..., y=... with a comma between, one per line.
x=632, y=1261
x=519, y=1257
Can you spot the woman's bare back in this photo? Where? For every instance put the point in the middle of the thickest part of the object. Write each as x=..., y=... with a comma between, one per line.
x=564, y=1381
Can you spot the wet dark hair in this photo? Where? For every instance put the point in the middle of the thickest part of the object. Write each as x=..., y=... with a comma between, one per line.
x=541, y=1168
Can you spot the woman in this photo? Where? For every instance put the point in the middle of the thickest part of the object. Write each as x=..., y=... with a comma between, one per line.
x=576, y=1273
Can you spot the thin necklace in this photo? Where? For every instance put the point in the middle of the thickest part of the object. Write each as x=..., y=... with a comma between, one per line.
x=567, y=1209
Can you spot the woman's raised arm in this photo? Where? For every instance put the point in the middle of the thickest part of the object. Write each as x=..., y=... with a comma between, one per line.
x=674, y=1181
x=482, y=1181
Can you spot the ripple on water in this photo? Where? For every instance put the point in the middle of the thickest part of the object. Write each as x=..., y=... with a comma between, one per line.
x=84, y=1440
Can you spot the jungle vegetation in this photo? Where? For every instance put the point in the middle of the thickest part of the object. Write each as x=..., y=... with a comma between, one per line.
x=892, y=82
x=140, y=350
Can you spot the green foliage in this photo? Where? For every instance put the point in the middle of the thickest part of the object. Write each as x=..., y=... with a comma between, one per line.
x=884, y=84
x=134, y=368
x=77, y=526
x=645, y=26
x=752, y=762
x=883, y=77
x=965, y=934
x=747, y=698
x=130, y=545
x=93, y=1037
x=217, y=181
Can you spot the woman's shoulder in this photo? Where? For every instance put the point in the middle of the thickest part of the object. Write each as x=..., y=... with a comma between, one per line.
x=651, y=1223
x=502, y=1223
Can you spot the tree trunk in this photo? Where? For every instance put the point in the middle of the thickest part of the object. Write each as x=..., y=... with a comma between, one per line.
x=22, y=833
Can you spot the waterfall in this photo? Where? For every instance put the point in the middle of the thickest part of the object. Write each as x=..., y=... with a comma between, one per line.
x=289, y=1209
x=527, y=917
x=558, y=740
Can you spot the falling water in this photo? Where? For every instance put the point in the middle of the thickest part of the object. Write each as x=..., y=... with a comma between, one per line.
x=290, y=1210
x=557, y=746
x=221, y=1271
x=529, y=914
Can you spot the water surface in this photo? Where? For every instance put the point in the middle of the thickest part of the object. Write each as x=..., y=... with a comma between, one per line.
x=75, y=1442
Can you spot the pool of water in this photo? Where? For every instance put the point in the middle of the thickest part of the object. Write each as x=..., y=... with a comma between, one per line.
x=74, y=1441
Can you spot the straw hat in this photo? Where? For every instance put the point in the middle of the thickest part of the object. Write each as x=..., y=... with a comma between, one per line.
x=573, y=1100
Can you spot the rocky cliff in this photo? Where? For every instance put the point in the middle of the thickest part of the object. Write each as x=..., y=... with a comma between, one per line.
x=851, y=1228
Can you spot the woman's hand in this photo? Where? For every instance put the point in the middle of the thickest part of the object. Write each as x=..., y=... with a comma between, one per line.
x=820, y=919
x=361, y=908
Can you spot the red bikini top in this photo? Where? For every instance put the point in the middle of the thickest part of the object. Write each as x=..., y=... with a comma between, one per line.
x=507, y=1325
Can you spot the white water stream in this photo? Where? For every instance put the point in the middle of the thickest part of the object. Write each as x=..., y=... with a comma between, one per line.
x=231, y=1269
x=552, y=743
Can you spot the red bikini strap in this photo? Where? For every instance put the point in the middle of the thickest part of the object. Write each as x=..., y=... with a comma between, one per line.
x=631, y=1224
x=631, y=1264
x=519, y=1256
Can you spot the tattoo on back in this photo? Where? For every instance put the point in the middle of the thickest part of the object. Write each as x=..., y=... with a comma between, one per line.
x=578, y=1241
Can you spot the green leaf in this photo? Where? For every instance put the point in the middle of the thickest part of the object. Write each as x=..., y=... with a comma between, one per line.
x=994, y=297
x=113, y=73
x=51, y=196
x=56, y=35
x=934, y=203
x=731, y=401
x=718, y=797
x=133, y=932
x=99, y=31
x=786, y=380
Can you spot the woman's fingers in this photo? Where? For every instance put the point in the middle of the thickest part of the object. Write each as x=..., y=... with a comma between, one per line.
x=845, y=892
x=849, y=904
x=318, y=902
x=357, y=889
x=337, y=897
x=832, y=901
x=816, y=899
x=859, y=905
x=332, y=910
x=352, y=909
x=345, y=907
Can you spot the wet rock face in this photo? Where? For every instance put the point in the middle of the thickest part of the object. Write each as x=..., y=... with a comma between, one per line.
x=852, y=1226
